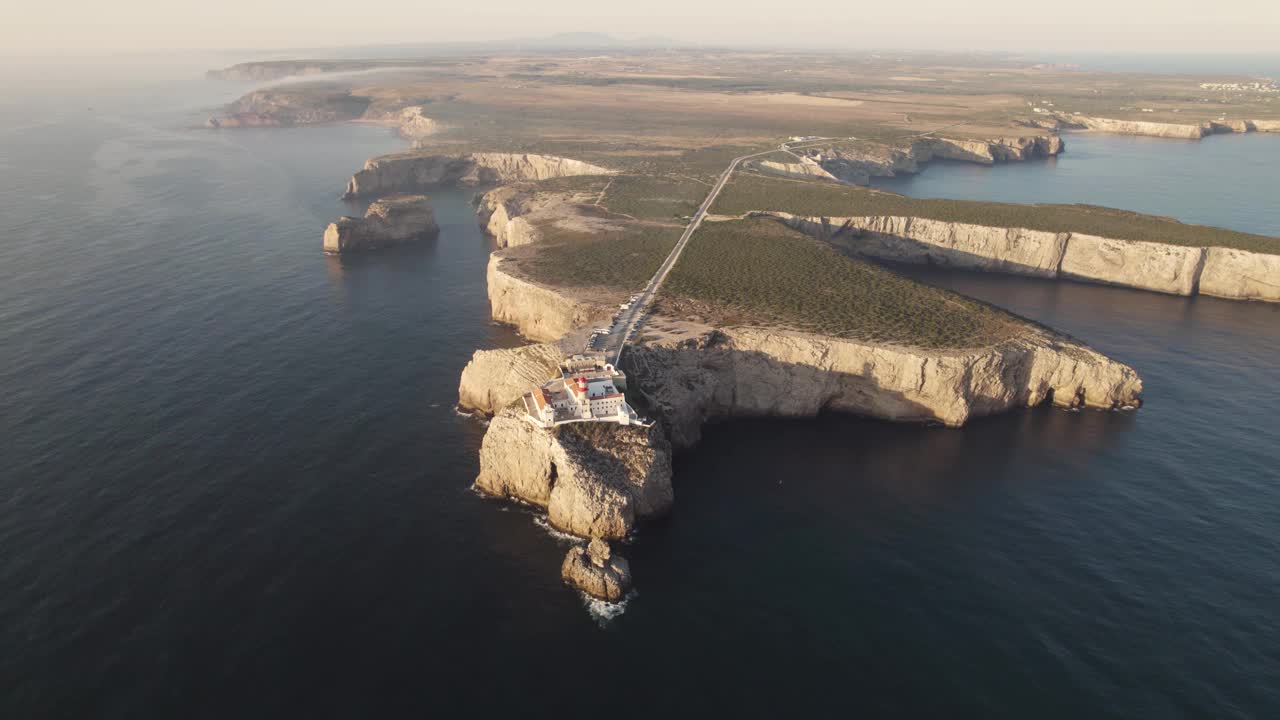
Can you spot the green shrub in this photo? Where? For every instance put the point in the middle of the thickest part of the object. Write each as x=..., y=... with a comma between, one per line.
x=760, y=272
x=748, y=191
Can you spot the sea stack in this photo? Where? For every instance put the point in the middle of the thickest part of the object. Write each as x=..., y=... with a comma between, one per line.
x=596, y=571
x=389, y=221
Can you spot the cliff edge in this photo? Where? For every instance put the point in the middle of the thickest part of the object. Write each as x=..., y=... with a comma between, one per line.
x=594, y=479
x=416, y=172
x=389, y=221
x=760, y=372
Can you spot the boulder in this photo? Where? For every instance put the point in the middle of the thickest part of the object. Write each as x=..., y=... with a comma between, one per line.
x=596, y=571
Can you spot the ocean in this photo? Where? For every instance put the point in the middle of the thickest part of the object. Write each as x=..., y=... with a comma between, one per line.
x=235, y=484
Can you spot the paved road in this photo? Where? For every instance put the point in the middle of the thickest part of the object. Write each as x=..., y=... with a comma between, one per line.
x=625, y=324
x=628, y=320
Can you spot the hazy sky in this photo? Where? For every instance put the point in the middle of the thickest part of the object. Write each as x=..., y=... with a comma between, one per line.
x=1084, y=25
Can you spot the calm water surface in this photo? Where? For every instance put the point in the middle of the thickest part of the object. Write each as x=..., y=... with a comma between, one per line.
x=234, y=484
x=1222, y=180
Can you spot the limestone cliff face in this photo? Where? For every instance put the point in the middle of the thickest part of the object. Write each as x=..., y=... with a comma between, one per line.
x=987, y=152
x=920, y=241
x=753, y=372
x=389, y=221
x=859, y=162
x=282, y=107
x=597, y=571
x=594, y=479
x=538, y=313
x=1172, y=269
x=502, y=212
x=1240, y=275
x=411, y=122
x=1139, y=127
x=494, y=379
x=415, y=172
x=1184, y=131
x=1159, y=267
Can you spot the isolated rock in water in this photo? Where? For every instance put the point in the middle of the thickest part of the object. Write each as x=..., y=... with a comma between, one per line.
x=596, y=571
x=389, y=221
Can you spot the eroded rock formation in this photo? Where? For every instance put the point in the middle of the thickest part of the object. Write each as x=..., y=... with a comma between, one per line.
x=416, y=172
x=1159, y=267
x=857, y=162
x=540, y=314
x=502, y=212
x=757, y=372
x=409, y=122
x=595, y=570
x=283, y=107
x=806, y=170
x=594, y=479
x=494, y=379
x=389, y=221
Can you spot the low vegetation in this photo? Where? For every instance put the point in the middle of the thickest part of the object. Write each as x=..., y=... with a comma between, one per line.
x=759, y=272
x=749, y=192
x=664, y=197
x=624, y=258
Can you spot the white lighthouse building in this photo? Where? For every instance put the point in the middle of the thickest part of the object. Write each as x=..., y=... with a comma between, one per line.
x=588, y=389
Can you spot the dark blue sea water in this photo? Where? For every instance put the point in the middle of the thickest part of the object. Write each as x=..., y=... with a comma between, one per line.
x=233, y=484
x=1223, y=180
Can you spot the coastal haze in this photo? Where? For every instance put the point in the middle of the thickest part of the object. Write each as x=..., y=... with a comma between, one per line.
x=239, y=482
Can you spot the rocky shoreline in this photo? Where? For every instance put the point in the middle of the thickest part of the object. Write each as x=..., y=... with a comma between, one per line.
x=1182, y=131
x=391, y=220
x=857, y=163
x=417, y=172
x=601, y=481
x=1174, y=269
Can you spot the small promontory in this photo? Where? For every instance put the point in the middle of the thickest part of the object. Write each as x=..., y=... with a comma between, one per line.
x=390, y=221
x=416, y=172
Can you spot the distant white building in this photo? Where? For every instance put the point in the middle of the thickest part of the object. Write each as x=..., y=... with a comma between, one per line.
x=588, y=390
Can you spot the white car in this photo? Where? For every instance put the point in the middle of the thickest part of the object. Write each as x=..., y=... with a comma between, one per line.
x=601, y=331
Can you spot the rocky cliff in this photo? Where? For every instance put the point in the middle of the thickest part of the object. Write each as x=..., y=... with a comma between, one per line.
x=284, y=107
x=857, y=162
x=415, y=172
x=494, y=379
x=1240, y=275
x=538, y=313
x=389, y=221
x=1159, y=267
x=755, y=372
x=594, y=479
x=411, y=123
x=503, y=215
x=597, y=571
x=1184, y=131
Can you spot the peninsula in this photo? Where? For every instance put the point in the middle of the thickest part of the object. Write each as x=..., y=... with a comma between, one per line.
x=685, y=238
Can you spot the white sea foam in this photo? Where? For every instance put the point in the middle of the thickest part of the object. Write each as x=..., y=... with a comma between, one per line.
x=564, y=537
x=605, y=612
